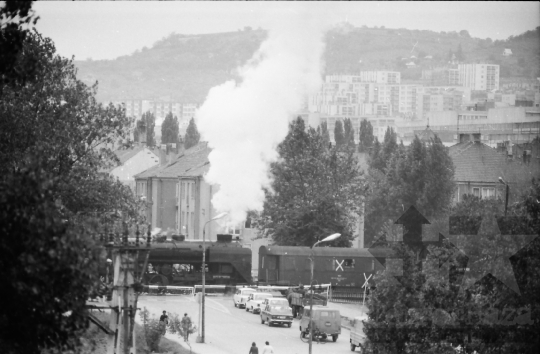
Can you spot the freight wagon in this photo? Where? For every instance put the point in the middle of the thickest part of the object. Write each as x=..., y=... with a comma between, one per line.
x=290, y=265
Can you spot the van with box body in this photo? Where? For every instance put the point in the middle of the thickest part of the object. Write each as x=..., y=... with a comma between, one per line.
x=326, y=320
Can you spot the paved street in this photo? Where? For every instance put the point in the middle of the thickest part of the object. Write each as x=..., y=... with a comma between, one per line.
x=230, y=330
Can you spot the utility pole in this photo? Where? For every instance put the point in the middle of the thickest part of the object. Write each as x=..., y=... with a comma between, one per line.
x=123, y=303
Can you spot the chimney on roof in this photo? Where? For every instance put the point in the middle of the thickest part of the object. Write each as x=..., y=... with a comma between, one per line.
x=463, y=138
x=162, y=156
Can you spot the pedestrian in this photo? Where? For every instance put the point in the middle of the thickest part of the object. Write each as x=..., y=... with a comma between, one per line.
x=186, y=326
x=253, y=349
x=268, y=349
x=163, y=322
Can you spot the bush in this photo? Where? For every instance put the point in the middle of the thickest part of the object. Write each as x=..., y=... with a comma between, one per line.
x=152, y=330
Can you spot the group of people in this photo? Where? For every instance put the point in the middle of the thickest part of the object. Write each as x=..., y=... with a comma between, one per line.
x=185, y=324
x=266, y=350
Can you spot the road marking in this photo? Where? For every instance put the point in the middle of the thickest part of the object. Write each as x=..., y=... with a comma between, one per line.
x=220, y=307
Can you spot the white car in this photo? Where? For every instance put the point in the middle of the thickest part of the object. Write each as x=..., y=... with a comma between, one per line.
x=256, y=300
x=241, y=297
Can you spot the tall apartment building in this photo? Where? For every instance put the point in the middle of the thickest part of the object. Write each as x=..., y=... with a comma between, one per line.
x=481, y=77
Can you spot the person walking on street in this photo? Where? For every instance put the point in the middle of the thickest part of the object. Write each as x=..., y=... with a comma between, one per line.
x=253, y=349
x=163, y=322
x=186, y=326
x=268, y=349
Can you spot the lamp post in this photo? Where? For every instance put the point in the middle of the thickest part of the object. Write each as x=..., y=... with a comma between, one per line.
x=501, y=180
x=200, y=338
x=326, y=239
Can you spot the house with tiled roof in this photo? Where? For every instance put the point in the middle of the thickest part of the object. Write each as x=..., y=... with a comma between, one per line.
x=177, y=196
x=132, y=162
x=479, y=166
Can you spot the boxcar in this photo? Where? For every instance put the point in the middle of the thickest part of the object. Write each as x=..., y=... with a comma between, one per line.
x=180, y=263
x=290, y=265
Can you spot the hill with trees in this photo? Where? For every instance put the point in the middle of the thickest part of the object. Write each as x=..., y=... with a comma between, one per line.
x=185, y=67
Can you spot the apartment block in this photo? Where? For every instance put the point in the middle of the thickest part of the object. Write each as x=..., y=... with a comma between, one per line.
x=481, y=77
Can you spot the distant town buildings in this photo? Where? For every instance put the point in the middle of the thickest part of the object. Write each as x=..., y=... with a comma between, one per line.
x=160, y=108
x=473, y=100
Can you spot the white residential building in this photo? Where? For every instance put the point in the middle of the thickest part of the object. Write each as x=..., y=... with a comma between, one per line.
x=480, y=77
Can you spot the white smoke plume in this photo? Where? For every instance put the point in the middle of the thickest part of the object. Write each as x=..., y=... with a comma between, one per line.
x=244, y=122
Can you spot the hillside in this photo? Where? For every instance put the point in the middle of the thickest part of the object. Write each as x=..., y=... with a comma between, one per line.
x=186, y=67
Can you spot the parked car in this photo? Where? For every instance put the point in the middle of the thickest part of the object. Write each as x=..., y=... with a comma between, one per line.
x=276, y=311
x=358, y=337
x=241, y=297
x=255, y=301
x=326, y=320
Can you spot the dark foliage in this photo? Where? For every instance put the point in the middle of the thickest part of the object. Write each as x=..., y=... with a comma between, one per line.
x=16, y=17
x=192, y=135
x=170, y=130
x=317, y=190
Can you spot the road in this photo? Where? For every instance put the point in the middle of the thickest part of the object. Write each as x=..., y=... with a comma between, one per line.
x=229, y=330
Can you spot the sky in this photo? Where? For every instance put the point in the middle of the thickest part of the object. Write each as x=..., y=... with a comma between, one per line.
x=107, y=30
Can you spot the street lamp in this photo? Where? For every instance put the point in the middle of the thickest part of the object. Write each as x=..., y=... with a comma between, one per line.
x=329, y=238
x=501, y=180
x=200, y=338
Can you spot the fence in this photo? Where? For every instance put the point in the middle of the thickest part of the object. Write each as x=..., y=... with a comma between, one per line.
x=348, y=294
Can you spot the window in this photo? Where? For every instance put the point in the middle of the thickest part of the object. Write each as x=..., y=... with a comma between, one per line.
x=233, y=229
x=476, y=192
x=328, y=314
x=192, y=190
x=348, y=263
x=488, y=193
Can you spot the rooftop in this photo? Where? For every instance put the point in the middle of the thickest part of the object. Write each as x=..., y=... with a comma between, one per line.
x=192, y=162
x=477, y=162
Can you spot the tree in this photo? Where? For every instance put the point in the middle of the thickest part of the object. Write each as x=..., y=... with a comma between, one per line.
x=170, y=130
x=192, y=135
x=15, y=19
x=323, y=131
x=435, y=305
x=366, y=136
x=146, y=125
x=53, y=149
x=464, y=33
x=419, y=175
x=316, y=190
x=348, y=132
x=339, y=133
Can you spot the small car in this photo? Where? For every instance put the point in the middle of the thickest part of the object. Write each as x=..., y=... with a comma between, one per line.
x=276, y=311
x=326, y=320
x=241, y=296
x=255, y=301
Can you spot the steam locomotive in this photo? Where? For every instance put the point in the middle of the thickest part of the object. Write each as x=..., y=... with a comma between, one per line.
x=179, y=262
x=291, y=265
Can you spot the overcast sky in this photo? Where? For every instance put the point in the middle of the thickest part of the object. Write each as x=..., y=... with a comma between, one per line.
x=106, y=30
